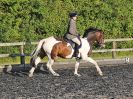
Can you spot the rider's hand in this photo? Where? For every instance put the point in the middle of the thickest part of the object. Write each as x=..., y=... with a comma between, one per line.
x=78, y=35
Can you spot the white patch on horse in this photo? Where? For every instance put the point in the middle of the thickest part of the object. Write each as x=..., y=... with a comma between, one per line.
x=70, y=56
x=49, y=43
x=31, y=71
x=85, y=47
x=68, y=44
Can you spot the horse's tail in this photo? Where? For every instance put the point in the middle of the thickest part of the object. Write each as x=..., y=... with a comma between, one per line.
x=37, y=49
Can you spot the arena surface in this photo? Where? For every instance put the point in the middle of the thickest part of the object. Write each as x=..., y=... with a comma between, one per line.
x=117, y=83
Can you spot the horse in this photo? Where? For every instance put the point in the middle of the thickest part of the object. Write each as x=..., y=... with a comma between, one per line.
x=54, y=48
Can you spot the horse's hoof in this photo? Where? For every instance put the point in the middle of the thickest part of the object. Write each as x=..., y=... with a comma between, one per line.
x=101, y=74
x=57, y=75
x=78, y=75
x=30, y=75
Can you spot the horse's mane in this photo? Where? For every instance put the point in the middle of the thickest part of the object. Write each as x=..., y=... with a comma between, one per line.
x=86, y=32
x=90, y=30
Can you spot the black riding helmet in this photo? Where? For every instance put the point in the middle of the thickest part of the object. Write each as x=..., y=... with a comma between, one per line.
x=73, y=14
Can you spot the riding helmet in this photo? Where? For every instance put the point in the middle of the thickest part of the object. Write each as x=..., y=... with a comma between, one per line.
x=73, y=14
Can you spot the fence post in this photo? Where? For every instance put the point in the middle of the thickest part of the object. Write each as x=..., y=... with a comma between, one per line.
x=113, y=52
x=22, y=56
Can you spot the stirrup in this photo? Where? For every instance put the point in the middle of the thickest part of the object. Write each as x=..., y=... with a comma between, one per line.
x=78, y=57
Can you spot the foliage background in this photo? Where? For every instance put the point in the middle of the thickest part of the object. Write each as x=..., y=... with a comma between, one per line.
x=35, y=19
x=32, y=20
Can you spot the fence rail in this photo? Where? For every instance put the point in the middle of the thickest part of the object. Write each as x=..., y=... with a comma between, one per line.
x=120, y=39
x=22, y=44
x=16, y=44
x=115, y=50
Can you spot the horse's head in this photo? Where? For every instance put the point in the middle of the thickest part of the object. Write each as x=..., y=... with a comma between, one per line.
x=100, y=38
x=93, y=34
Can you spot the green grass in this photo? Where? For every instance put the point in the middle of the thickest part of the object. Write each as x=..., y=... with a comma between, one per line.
x=108, y=55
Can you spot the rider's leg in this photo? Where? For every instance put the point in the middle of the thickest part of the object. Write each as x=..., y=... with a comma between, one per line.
x=78, y=43
x=76, y=40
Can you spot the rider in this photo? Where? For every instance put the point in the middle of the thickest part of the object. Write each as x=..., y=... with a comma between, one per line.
x=72, y=33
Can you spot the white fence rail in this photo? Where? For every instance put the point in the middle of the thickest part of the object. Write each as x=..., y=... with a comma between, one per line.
x=113, y=50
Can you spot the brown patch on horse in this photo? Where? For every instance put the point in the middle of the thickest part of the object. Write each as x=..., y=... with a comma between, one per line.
x=98, y=35
x=60, y=49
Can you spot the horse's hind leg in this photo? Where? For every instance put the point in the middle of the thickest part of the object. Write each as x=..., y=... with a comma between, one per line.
x=34, y=63
x=35, y=60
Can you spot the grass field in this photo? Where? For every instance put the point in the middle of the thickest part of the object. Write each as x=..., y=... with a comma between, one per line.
x=16, y=60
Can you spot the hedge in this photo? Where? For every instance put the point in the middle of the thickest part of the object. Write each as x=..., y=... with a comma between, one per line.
x=32, y=20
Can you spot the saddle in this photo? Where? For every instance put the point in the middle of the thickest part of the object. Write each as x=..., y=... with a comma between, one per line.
x=73, y=45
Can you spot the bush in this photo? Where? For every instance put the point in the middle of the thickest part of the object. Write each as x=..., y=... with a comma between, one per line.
x=31, y=20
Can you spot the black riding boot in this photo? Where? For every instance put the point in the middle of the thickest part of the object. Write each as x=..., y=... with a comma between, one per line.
x=77, y=52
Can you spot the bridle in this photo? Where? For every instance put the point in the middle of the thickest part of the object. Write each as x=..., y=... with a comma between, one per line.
x=93, y=34
x=101, y=42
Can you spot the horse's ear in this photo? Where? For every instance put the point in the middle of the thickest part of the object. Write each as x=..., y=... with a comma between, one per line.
x=85, y=33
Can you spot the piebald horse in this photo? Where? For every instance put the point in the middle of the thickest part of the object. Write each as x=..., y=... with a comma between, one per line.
x=53, y=48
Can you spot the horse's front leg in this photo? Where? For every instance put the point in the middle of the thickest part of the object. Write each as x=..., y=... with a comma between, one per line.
x=49, y=66
x=89, y=59
x=76, y=68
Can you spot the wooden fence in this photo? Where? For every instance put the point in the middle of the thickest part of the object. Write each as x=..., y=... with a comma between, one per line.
x=22, y=44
